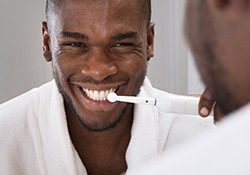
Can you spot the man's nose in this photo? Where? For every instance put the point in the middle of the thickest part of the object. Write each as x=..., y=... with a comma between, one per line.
x=99, y=65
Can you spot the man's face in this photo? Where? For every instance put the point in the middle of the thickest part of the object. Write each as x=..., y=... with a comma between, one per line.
x=99, y=47
x=218, y=42
x=204, y=45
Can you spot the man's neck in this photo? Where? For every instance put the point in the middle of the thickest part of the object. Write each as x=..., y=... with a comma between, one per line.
x=104, y=150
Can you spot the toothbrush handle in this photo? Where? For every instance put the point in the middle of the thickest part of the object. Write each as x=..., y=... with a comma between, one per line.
x=184, y=104
x=178, y=104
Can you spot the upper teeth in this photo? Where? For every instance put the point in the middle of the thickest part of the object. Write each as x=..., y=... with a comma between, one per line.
x=98, y=95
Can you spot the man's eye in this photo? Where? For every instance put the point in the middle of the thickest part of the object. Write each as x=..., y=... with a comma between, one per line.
x=123, y=44
x=123, y=47
x=76, y=44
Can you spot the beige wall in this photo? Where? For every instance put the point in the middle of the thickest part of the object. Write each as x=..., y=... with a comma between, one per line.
x=21, y=63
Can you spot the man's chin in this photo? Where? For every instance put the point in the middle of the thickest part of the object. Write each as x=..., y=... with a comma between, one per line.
x=97, y=126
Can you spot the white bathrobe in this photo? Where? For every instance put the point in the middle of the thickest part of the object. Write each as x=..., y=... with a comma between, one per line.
x=34, y=137
x=224, y=151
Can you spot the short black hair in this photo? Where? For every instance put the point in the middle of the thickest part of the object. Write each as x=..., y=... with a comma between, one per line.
x=51, y=4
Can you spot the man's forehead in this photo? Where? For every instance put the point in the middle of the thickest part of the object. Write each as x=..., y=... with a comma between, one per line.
x=78, y=11
x=102, y=8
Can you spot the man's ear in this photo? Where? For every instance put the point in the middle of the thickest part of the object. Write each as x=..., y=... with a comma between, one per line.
x=150, y=46
x=46, y=42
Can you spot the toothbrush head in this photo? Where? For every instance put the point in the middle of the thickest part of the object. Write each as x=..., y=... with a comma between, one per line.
x=112, y=97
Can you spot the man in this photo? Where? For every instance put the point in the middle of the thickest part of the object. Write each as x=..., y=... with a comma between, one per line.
x=67, y=126
x=218, y=32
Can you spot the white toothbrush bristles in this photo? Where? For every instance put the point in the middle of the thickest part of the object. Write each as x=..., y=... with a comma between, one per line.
x=112, y=97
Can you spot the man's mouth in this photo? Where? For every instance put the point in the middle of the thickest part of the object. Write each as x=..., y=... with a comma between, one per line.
x=95, y=97
x=98, y=95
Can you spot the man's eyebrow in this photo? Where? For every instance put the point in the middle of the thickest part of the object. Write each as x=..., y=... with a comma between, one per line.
x=75, y=35
x=126, y=35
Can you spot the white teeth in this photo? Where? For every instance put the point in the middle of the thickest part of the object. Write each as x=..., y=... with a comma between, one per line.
x=98, y=95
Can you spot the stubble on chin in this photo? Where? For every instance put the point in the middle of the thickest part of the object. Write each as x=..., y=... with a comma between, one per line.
x=92, y=126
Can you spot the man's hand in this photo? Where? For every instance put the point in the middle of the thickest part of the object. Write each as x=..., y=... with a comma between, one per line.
x=206, y=105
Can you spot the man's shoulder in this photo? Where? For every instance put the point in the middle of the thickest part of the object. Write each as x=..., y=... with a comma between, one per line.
x=19, y=115
x=21, y=104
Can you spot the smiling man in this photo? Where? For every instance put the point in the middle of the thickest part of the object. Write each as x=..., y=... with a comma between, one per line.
x=67, y=126
x=96, y=49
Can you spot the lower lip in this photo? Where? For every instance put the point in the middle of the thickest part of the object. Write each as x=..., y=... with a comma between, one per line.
x=92, y=104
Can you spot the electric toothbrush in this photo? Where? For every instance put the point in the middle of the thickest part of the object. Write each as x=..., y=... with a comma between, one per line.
x=171, y=103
